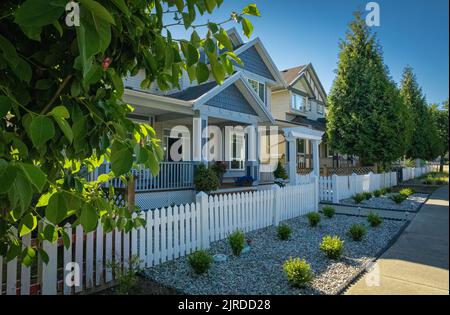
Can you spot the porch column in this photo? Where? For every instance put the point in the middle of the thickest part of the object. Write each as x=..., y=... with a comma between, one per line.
x=292, y=143
x=316, y=157
x=252, y=158
x=199, y=139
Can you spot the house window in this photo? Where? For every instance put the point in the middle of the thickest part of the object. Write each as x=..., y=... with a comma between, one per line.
x=319, y=108
x=237, y=151
x=308, y=105
x=298, y=102
x=259, y=89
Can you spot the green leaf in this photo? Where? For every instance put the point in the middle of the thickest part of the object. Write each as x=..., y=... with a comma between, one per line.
x=103, y=178
x=60, y=111
x=66, y=239
x=218, y=70
x=7, y=175
x=57, y=208
x=13, y=251
x=50, y=233
x=122, y=6
x=20, y=194
x=41, y=130
x=89, y=218
x=121, y=158
x=38, y=13
x=35, y=175
x=65, y=128
x=251, y=9
x=27, y=224
x=210, y=4
x=117, y=81
x=43, y=199
x=44, y=255
x=98, y=10
x=223, y=39
x=247, y=27
x=28, y=256
x=202, y=72
x=19, y=66
x=5, y=105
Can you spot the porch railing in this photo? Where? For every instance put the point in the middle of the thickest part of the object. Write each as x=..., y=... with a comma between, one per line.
x=172, y=175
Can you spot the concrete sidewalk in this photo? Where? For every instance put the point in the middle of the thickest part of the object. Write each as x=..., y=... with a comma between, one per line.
x=418, y=262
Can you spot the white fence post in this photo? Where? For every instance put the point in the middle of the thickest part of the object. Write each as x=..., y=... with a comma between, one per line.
x=316, y=193
x=202, y=202
x=276, y=204
x=335, y=185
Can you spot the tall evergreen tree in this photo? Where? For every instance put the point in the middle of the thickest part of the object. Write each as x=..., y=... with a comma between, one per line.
x=424, y=132
x=365, y=109
x=440, y=118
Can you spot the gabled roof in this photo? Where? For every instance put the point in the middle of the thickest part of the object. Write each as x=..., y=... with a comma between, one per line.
x=194, y=92
x=242, y=84
x=292, y=75
x=262, y=51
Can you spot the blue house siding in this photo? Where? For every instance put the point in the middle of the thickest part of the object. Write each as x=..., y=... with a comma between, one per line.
x=253, y=63
x=232, y=99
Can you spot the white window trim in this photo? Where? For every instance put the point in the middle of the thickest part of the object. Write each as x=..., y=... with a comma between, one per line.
x=301, y=108
x=241, y=158
x=257, y=89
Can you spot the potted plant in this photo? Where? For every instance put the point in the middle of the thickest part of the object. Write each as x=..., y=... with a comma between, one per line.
x=220, y=168
x=206, y=179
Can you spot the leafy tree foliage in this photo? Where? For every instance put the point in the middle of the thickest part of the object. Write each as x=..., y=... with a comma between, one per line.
x=365, y=108
x=423, y=143
x=61, y=113
x=440, y=118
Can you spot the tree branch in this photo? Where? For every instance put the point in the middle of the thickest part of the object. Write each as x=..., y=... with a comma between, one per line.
x=58, y=92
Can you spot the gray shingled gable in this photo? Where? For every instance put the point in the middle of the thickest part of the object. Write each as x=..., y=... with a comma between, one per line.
x=232, y=99
x=254, y=63
x=194, y=92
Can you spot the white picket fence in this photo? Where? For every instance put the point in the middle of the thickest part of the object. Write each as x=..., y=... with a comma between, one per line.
x=335, y=188
x=414, y=172
x=169, y=233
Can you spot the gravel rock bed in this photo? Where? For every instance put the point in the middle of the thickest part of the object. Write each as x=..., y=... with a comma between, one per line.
x=411, y=204
x=259, y=272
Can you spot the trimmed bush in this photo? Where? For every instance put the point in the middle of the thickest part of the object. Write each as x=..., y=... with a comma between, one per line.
x=328, y=212
x=298, y=272
x=406, y=191
x=280, y=172
x=237, y=241
x=332, y=246
x=398, y=198
x=358, y=198
x=367, y=195
x=377, y=193
x=200, y=261
x=284, y=232
x=206, y=179
x=374, y=219
x=313, y=218
x=357, y=232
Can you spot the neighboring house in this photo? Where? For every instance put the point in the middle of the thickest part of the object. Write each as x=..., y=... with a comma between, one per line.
x=243, y=99
x=302, y=104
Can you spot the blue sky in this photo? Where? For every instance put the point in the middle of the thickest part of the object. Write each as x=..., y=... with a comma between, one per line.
x=295, y=32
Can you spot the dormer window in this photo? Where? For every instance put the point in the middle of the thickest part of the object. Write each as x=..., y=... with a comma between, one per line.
x=259, y=89
x=298, y=102
x=320, y=109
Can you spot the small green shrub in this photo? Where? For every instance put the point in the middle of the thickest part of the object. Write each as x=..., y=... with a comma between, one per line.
x=374, y=219
x=377, y=193
x=127, y=278
x=206, y=179
x=298, y=272
x=367, y=195
x=284, y=232
x=388, y=190
x=358, y=198
x=332, y=246
x=237, y=241
x=398, y=198
x=383, y=191
x=328, y=212
x=357, y=232
x=200, y=261
x=313, y=218
x=407, y=191
x=280, y=172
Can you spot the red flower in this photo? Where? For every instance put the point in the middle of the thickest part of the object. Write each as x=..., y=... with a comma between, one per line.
x=106, y=62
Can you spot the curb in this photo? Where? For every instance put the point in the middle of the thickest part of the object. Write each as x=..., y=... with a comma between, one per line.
x=363, y=270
